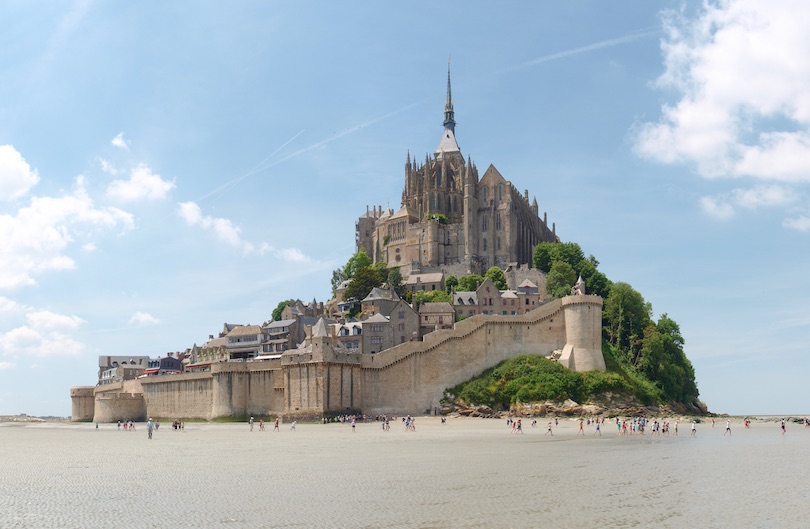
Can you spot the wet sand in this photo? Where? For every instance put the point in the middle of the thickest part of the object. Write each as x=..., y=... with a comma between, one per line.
x=466, y=473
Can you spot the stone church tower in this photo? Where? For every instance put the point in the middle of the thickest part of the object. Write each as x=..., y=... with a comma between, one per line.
x=452, y=216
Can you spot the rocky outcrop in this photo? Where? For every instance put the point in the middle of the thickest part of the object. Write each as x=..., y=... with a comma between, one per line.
x=607, y=406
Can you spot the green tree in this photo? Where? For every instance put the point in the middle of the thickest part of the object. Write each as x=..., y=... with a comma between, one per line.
x=364, y=280
x=338, y=277
x=560, y=279
x=450, y=283
x=595, y=281
x=498, y=278
x=626, y=315
x=280, y=307
x=395, y=281
x=677, y=374
x=568, y=252
x=469, y=283
x=356, y=262
x=547, y=253
x=542, y=256
x=429, y=296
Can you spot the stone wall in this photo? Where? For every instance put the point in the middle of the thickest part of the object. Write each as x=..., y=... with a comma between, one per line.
x=409, y=378
x=83, y=400
x=120, y=401
x=412, y=378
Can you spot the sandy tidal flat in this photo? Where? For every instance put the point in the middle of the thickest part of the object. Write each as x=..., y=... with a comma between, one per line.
x=466, y=473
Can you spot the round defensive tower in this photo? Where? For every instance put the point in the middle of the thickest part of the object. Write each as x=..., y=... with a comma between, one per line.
x=583, y=331
x=83, y=403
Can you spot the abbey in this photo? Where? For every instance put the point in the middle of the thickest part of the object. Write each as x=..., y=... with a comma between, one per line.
x=451, y=216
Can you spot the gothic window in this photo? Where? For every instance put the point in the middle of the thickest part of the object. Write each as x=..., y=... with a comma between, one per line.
x=500, y=193
x=438, y=179
x=455, y=204
x=432, y=202
x=499, y=243
x=485, y=191
x=484, y=226
x=485, y=244
x=498, y=221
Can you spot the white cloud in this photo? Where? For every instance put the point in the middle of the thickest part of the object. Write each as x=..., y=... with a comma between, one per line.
x=142, y=184
x=724, y=206
x=799, y=223
x=120, y=142
x=743, y=76
x=25, y=342
x=8, y=305
x=44, y=335
x=36, y=237
x=108, y=167
x=225, y=231
x=16, y=176
x=717, y=207
x=47, y=320
x=293, y=255
x=143, y=318
x=7, y=365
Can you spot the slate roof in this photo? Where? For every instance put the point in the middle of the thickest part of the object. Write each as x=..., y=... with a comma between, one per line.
x=467, y=298
x=435, y=307
x=245, y=330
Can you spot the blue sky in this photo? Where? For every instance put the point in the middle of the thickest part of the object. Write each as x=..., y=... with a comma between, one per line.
x=168, y=167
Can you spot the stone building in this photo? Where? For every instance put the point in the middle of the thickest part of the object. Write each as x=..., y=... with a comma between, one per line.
x=451, y=214
x=487, y=299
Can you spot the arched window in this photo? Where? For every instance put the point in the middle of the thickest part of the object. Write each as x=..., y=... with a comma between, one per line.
x=500, y=193
x=484, y=225
x=485, y=244
x=485, y=192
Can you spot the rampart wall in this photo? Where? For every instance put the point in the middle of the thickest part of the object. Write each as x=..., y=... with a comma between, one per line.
x=412, y=377
x=121, y=401
x=409, y=378
x=82, y=400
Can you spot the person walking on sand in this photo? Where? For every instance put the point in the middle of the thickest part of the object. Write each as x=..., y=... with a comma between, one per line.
x=149, y=427
x=694, y=429
x=292, y=426
x=598, y=429
x=581, y=431
x=728, y=428
x=275, y=428
x=519, y=426
x=783, y=427
x=251, y=423
x=353, y=424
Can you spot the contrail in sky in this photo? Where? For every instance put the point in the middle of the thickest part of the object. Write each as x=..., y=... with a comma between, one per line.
x=261, y=167
x=346, y=132
x=258, y=167
x=584, y=49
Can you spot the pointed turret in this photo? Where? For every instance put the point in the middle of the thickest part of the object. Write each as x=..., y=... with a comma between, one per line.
x=449, y=116
x=448, y=141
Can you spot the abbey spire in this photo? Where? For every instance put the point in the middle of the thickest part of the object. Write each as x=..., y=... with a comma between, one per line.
x=449, y=121
x=448, y=141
